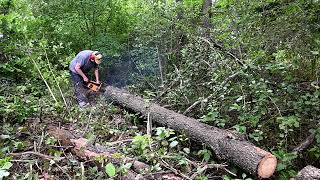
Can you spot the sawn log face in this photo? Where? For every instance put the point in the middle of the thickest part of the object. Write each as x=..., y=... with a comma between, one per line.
x=225, y=144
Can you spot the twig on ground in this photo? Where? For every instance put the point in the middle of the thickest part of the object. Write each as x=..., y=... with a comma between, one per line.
x=175, y=171
x=44, y=156
x=41, y=140
x=168, y=105
x=120, y=137
x=217, y=166
x=64, y=172
x=227, y=170
x=207, y=63
x=82, y=170
x=23, y=160
x=207, y=166
x=64, y=147
x=189, y=161
x=149, y=125
x=117, y=142
x=35, y=146
x=36, y=163
x=157, y=173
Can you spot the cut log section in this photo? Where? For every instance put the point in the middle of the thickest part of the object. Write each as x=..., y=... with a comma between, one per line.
x=225, y=144
x=308, y=173
x=87, y=151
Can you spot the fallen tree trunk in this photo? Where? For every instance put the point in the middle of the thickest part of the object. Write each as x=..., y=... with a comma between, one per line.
x=225, y=144
x=86, y=151
x=305, y=144
x=308, y=172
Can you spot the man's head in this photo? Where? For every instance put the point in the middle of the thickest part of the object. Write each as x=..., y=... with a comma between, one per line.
x=96, y=56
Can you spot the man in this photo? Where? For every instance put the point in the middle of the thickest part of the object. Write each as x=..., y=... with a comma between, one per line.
x=79, y=68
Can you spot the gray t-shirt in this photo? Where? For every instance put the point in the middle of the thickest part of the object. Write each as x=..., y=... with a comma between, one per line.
x=82, y=57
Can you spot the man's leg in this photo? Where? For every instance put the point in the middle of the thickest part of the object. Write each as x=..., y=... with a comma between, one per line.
x=80, y=91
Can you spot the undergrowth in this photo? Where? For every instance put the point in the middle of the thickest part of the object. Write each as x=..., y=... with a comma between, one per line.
x=247, y=66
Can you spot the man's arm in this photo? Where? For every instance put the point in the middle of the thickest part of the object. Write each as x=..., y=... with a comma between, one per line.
x=79, y=71
x=96, y=73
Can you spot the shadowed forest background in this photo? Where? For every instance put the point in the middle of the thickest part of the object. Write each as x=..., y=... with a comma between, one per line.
x=246, y=66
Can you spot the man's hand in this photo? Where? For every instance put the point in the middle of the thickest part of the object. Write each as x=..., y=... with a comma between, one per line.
x=85, y=79
x=98, y=82
x=79, y=71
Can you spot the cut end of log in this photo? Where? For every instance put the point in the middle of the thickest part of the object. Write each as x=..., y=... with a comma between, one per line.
x=267, y=166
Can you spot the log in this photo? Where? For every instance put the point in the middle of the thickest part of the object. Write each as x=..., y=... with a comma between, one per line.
x=225, y=144
x=305, y=144
x=308, y=173
x=86, y=151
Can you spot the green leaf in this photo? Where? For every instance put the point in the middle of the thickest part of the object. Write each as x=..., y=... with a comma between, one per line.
x=19, y=145
x=186, y=150
x=281, y=166
x=206, y=157
x=3, y=173
x=127, y=165
x=110, y=170
x=244, y=175
x=6, y=165
x=225, y=177
x=2, y=136
x=174, y=144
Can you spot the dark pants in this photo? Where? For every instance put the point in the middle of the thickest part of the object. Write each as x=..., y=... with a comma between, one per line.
x=79, y=87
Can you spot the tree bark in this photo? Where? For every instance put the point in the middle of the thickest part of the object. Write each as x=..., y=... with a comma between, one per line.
x=225, y=144
x=206, y=13
x=305, y=144
x=309, y=172
x=86, y=151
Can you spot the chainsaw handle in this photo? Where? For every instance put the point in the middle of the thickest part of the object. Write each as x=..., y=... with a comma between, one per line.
x=93, y=86
x=94, y=82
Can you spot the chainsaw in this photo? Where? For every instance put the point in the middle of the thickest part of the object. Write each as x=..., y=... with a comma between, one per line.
x=93, y=86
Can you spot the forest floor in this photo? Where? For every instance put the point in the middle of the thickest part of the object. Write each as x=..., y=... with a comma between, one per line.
x=168, y=155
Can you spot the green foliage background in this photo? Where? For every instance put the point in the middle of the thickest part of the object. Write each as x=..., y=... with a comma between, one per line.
x=254, y=70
